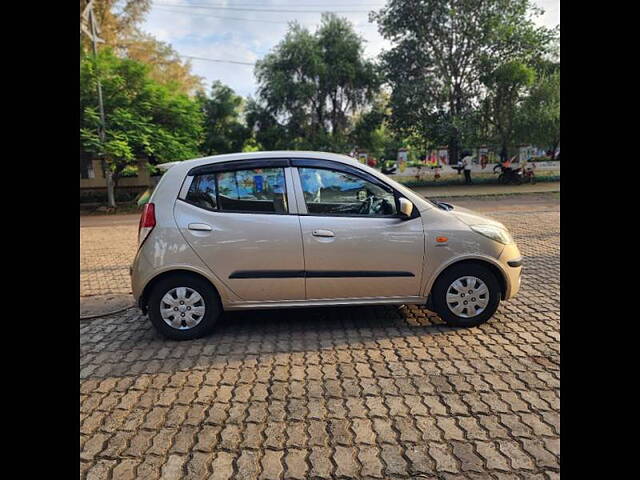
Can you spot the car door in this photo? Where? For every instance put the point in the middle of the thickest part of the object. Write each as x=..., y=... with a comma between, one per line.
x=239, y=217
x=355, y=243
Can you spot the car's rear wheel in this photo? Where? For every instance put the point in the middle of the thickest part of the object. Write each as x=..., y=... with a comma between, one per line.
x=183, y=307
x=466, y=295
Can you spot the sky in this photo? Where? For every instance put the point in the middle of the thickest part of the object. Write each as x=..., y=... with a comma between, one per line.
x=241, y=31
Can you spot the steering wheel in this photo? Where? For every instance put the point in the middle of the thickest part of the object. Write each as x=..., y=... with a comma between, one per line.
x=365, y=208
x=376, y=206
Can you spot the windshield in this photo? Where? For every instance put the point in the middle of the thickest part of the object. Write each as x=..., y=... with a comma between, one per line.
x=408, y=192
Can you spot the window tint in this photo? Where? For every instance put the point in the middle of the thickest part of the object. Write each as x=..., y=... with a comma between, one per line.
x=202, y=192
x=257, y=190
x=330, y=192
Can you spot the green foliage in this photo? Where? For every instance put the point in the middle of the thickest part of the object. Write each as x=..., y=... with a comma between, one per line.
x=269, y=133
x=538, y=119
x=224, y=131
x=144, y=120
x=505, y=85
x=441, y=49
x=311, y=85
x=251, y=145
x=459, y=73
x=372, y=132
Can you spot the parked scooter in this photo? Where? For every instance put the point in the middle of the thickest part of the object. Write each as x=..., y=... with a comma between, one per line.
x=389, y=167
x=508, y=175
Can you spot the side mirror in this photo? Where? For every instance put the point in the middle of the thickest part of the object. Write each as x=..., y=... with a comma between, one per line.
x=406, y=208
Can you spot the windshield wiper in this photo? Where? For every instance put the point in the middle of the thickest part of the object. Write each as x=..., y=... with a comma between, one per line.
x=443, y=206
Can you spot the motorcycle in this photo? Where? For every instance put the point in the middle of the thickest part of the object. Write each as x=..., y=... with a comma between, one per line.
x=508, y=175
x=388, y=169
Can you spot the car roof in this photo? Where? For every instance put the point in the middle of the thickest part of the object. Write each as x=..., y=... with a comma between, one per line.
x=230, y=157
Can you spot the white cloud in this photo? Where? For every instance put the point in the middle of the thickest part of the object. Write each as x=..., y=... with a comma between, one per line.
x=197, y=32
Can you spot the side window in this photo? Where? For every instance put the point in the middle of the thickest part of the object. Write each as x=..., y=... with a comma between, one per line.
x=257, y=190
x=203, y=192
x=330, y=192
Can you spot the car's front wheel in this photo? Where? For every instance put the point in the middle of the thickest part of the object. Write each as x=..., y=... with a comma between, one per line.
x=183, y=307
x=466, y=295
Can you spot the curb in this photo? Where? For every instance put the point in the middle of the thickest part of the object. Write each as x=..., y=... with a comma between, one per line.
x=91, y=317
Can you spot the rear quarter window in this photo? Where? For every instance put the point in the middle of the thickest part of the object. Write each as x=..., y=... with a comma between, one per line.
x=203, y=192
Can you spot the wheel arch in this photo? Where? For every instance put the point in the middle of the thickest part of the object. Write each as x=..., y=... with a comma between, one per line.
x=144, y=296
x=484, y=262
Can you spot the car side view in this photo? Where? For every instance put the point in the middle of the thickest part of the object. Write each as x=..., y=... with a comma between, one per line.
x=303, y=229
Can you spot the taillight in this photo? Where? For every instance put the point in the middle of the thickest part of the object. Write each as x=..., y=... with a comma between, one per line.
x=147, y=222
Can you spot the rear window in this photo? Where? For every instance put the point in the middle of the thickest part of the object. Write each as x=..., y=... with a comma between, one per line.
x=259, y=190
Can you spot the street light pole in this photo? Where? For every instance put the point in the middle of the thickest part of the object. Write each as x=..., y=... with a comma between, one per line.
x=89, y=15
x=94, y=43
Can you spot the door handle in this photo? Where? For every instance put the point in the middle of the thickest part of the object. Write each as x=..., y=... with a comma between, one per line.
x=323, y=233
x=201, y=227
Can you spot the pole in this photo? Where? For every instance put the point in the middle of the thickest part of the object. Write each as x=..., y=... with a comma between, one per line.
x=111, y=201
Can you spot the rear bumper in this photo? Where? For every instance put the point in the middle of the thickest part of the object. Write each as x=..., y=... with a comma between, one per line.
x=139, y=271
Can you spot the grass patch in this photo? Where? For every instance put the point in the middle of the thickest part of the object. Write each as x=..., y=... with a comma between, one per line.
x=497, y=196
x=125, y=208
x=477, y=180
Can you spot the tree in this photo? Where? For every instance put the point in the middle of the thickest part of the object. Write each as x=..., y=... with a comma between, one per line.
x=268, y=132
x=224, y=132
x=118, y=19
x=506, y=86
x=145, y=120
x=538, y=119
x=312, y=84
x=166, y=66
x=441, y=49
x=119, y=22
x=372, y=131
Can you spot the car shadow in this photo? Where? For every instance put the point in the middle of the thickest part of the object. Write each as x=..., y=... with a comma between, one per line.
x=127, y=345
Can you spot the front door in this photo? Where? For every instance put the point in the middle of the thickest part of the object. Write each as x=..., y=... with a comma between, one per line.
x=355, y=243
x=238, y=221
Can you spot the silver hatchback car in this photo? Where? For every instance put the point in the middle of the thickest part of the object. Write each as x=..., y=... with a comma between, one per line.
x=299, y=229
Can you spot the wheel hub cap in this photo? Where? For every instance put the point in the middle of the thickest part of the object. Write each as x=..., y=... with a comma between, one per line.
x=182, y=308
x=467, y=297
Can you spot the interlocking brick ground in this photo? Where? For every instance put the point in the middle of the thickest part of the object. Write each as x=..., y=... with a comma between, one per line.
x=106, y=253
x=367, y=392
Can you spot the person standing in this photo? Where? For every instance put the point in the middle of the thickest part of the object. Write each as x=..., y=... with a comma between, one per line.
x=467, y=161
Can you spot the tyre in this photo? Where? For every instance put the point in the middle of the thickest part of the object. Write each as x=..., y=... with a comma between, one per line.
x=502, y=179
x=466, y=295
x=184, y=307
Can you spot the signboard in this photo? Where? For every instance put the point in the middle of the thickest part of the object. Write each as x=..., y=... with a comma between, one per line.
x=443, y=155
x=525, y=152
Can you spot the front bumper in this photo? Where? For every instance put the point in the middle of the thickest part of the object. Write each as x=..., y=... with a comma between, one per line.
x=511, y=262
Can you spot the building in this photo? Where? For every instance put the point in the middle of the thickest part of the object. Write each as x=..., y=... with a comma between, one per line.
x=93, y=182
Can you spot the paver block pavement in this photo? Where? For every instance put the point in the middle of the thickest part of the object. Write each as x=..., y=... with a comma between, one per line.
x=366, y=392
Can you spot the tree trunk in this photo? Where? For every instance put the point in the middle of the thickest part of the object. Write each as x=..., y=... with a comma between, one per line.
x=504, y=153
x=111, y=193
x=454, y=148
x=554, y=150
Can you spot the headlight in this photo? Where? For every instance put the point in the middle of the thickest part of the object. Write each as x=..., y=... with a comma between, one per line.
x=494, y=233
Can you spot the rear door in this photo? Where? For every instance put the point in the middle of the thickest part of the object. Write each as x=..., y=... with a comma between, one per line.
x=355, y=243
x=239, y=218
